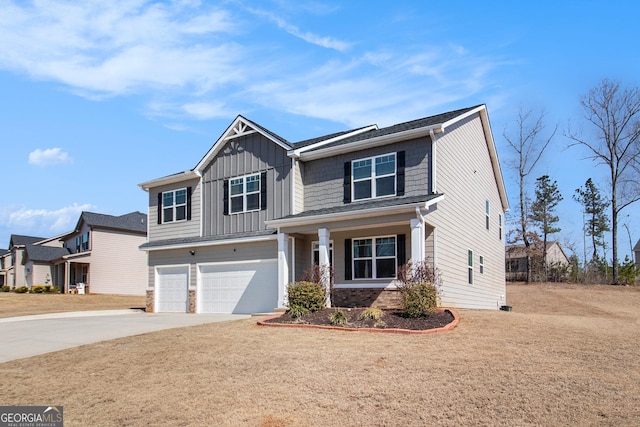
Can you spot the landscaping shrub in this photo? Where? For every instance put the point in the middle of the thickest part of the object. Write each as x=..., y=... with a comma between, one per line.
x=53, y=290
x=338, y=318
x=628, y=272
x=419, y=288
x=372, y=313
x=6, y=288
x=419, y=299
x=305, y=297
x=38, y=289
x=22, y=290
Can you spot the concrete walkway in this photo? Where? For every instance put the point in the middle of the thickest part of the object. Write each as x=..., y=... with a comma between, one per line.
x=28, y=336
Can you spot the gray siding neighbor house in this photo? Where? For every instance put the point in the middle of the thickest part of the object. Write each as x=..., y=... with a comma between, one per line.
x=257, y=211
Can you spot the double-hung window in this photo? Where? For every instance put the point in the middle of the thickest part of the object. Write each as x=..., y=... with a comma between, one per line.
x=316, y=253
x=486, y=209
x=374, y=258
x=244, y=194
x=374, y=177
x=174, y=205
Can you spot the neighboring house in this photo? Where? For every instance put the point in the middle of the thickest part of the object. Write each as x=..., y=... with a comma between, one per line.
x=258, y=210
x=516, y=260
x=5, y=261
x=101, y=253
x=15, y=271
x=636, y=251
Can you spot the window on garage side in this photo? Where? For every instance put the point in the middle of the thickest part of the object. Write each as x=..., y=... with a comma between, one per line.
x=470, y=266
x=174, y=205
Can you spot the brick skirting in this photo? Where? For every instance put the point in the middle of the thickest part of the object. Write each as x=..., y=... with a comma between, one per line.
x=366, y=297
x=150, y=298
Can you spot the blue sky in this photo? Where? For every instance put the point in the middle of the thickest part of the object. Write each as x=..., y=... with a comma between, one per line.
x=96, y=97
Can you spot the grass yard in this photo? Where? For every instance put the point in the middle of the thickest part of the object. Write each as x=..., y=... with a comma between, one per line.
x=565, y=355
x=12, y=304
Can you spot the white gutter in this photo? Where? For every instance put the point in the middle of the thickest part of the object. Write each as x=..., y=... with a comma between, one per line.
x=299, y=151
x=365, y=213
x=212, y=243
x=171, y=179
x=369, y=143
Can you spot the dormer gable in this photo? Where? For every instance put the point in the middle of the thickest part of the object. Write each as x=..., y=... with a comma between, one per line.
x=240, y=127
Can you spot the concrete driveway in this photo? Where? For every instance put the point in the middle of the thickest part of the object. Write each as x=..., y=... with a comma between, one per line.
x=28, y=336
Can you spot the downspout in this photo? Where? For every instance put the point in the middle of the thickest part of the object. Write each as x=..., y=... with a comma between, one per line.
x=432, y=134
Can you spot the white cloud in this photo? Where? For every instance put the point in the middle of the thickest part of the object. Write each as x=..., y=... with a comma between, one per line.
x=113, y=48
x=41, y=221
x=322, y=41
x=49, y=156
x=205, y=111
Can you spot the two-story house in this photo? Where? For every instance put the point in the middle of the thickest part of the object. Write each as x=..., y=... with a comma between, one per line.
x=257, y=211
x=101, y=253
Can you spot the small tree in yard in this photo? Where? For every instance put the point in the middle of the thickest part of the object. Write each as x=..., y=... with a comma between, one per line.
x=542, y=212
x=420, y=288
x=594, y=208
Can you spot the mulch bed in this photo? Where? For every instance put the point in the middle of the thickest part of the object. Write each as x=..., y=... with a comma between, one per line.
x=391, y=319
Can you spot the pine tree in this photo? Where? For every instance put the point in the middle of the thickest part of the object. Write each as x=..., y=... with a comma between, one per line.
x=594, y=208
x=542, y=211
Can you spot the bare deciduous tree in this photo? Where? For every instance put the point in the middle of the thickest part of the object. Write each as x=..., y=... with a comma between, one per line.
x=614, y=115
x=528, y=144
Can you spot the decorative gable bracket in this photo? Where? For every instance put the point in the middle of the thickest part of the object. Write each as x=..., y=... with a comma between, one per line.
x=239, y=129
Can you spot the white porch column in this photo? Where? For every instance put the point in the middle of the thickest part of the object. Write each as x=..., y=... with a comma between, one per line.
x=66, y=277
x=417, y=240
x=283, y=268
x=325, y=264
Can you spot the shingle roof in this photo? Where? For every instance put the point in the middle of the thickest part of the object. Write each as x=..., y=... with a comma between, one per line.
x=19, y=240
x=370, y=204
x=45, y=253
x=401, y=127
x=134, y=221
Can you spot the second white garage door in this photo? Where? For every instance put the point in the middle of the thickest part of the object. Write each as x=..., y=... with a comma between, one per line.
x=239, y=287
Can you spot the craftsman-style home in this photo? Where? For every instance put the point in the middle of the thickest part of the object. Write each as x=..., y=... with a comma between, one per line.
x=257, y=211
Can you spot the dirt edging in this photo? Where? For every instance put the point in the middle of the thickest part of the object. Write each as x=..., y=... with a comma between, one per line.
x=446, y=328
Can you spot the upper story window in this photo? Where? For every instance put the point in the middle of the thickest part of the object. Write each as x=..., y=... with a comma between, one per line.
x=82, y=242
x=174, y=205
x=470, y=266
x=374, y=177
x=500, y=226
x=244, y=194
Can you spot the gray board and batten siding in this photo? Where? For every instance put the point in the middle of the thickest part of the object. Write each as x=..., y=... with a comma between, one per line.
x=242, y=156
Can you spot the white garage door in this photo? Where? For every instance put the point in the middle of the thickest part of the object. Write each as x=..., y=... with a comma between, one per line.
x=240, y=287
x=172, y=289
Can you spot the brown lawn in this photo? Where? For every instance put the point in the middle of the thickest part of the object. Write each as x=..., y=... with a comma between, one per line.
x=12, y=304
x=565, y=355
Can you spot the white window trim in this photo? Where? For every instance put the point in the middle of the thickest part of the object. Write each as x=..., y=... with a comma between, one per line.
x=314, y=250
x=481, y=264
x=174, y=205
x=245, y=193
x=373, y=177
x=374, y=275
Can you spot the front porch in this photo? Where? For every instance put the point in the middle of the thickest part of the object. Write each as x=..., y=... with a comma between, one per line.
x=358, y=252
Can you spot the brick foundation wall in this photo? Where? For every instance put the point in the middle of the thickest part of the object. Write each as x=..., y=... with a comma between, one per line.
x=366, y=297
x=149, y=304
